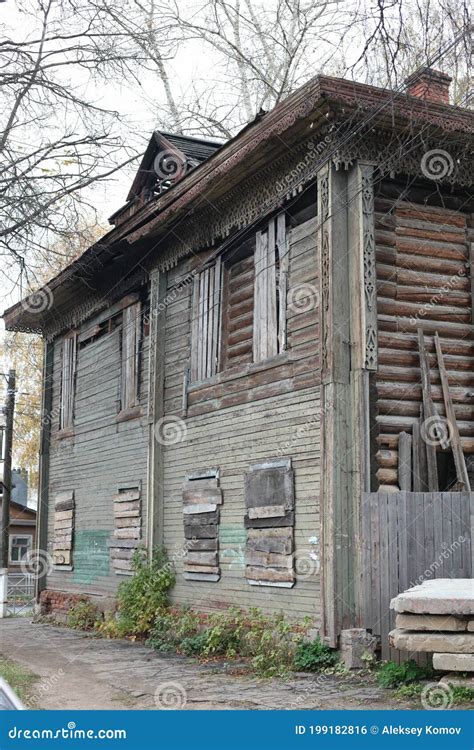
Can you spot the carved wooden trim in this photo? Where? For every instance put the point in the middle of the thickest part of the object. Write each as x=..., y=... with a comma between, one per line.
x=369, y=268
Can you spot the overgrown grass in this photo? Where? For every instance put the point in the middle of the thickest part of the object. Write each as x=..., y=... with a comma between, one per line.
x=19, y=678
x=391, y=675
x=459, y=694
x=269, y=644
x=315, y=657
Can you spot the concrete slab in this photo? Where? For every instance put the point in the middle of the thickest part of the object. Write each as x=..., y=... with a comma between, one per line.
x=470, y=626
x=451, y=643
x=437, y=623
x=454, y=662
x=443, y=596
x=456, y=681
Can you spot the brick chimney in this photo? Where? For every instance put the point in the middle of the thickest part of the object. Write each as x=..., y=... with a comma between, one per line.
x=429, y=84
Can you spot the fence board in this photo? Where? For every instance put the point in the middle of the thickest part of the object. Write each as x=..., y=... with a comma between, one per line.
x=410, y=537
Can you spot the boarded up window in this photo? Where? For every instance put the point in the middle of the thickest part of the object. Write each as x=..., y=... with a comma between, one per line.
x=131, y=328
x=202, y=498
x=68, y=380
x=270, y=290
x=269, y=501
x=63, y=529
x=206, y=322
x=127, y=533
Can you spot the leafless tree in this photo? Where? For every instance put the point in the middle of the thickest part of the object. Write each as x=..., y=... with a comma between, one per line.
x=56, y=139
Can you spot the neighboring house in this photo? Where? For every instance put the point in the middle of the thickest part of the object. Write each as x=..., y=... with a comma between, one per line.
x=22, y=534
x=229, y=371
x=22, y=531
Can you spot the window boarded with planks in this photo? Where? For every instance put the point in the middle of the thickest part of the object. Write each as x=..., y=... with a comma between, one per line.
x=127, y=533
x=131, y=334
x=206, y=322
x=202, y=499
x=270, y=518
x=422, y=254
x=63, y=529
x=68, y=381
x=269, y=334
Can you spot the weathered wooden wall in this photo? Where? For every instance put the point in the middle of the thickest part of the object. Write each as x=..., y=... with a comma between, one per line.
x=424, y=280
x=240, y=416
x=102, y=454
x=409, y=537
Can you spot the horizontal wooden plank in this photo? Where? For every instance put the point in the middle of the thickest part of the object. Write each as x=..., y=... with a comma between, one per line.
x=203, y=531
x=201, y=496
x=261, y=523
x=271, y=540
x=267, y=511
x=201, y=568
x=269, y=559
x=126, y=497
x=198, y=519
x=201, y=558
x=268, y=574
x=199, y=509
x=209, y=577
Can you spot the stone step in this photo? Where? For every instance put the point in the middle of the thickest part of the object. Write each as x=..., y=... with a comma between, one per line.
x=442, y=596
x=455, y=680
x=454, y=662
x=438, y=623
x=451, y=643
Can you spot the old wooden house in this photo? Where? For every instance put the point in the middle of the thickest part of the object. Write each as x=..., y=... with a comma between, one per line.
x=267, y=364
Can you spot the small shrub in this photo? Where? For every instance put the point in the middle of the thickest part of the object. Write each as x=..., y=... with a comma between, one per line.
x=146, y=593
x=314, y=657
x=391, y=675
x=83, y=615
x=462, y=694
x=194, y=645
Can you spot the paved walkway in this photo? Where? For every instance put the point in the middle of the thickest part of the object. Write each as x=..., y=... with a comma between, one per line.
x=79, y=671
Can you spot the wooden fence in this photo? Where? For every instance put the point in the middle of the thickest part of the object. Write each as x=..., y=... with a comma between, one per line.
x=409, y=537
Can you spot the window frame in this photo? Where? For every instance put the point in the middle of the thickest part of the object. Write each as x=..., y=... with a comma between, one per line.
x=29, y=547
x=66, y=415
x=130, y=359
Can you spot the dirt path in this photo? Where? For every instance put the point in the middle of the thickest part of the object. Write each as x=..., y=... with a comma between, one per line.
x=77, y=671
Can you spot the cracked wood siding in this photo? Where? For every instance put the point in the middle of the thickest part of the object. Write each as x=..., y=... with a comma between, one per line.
x=270, y=410
x=102, y=454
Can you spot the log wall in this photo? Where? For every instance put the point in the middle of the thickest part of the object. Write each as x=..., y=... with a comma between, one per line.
x=423, y=280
